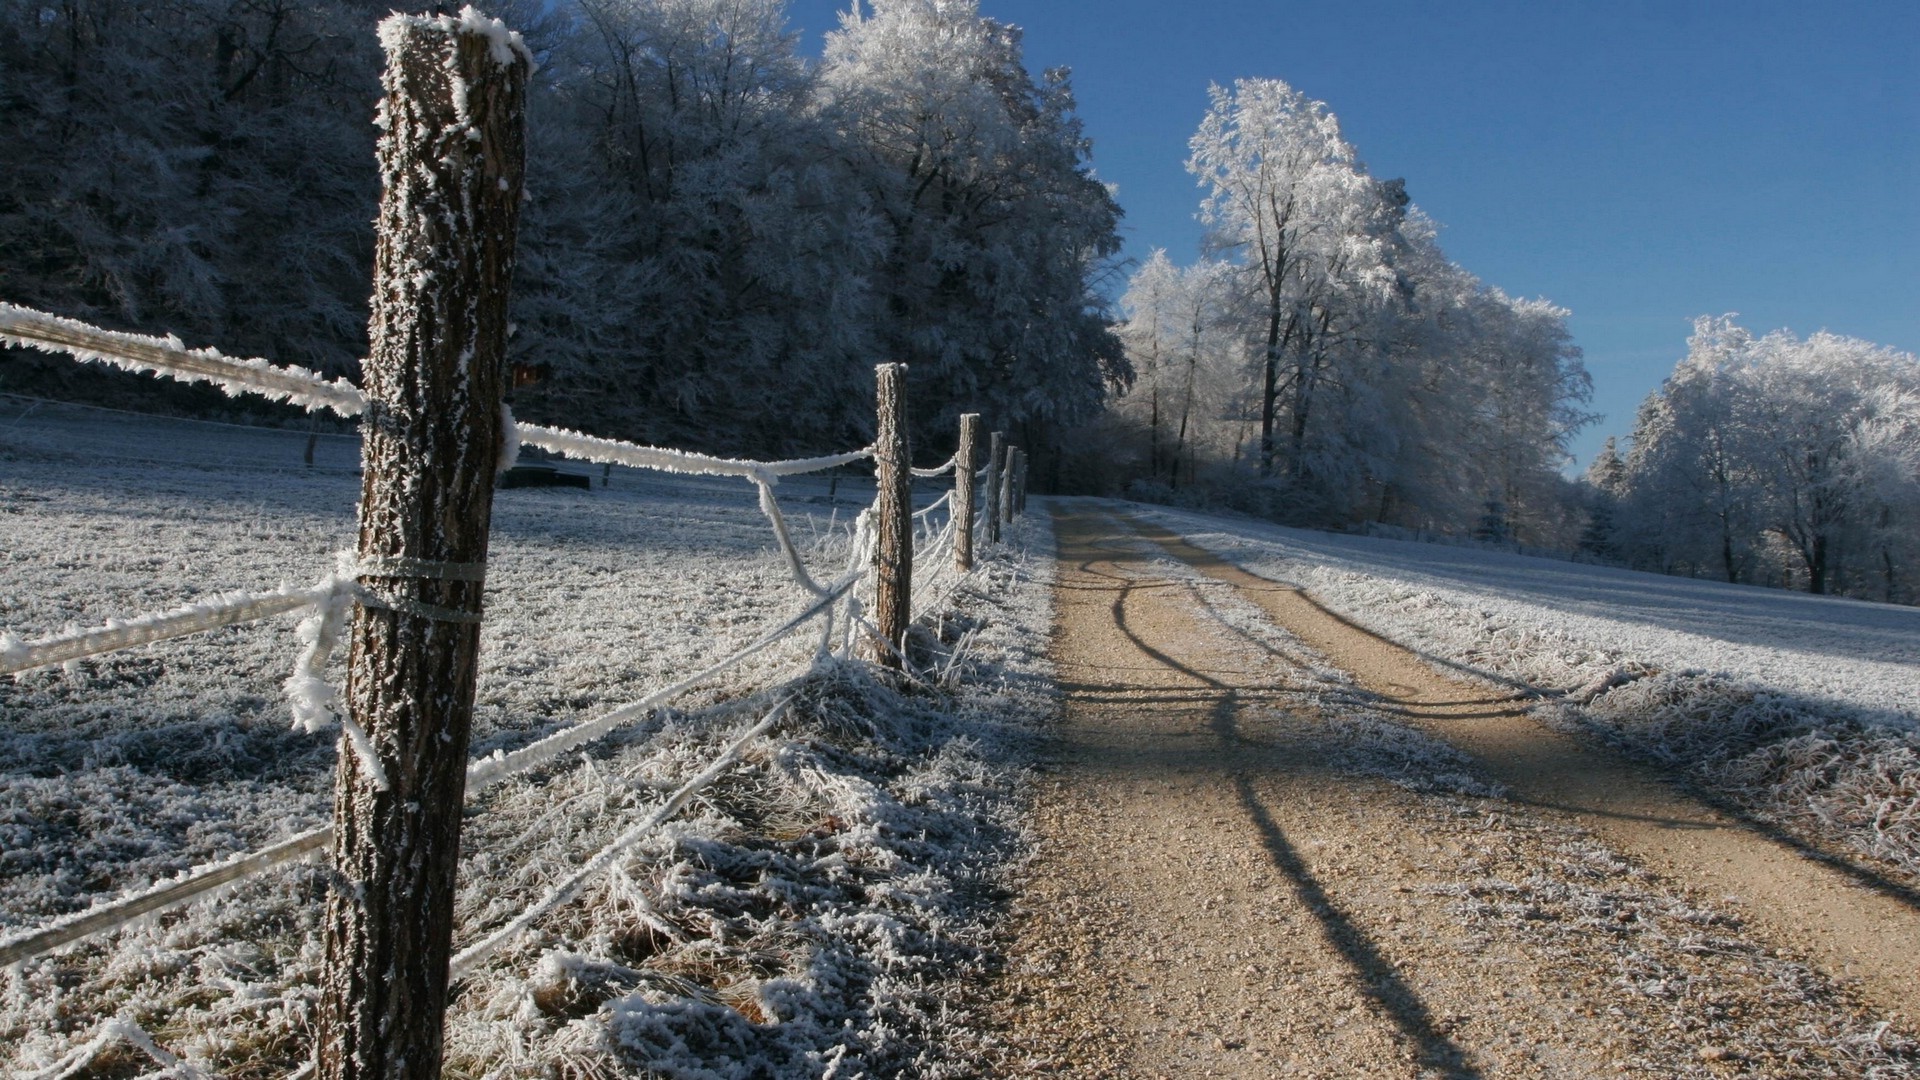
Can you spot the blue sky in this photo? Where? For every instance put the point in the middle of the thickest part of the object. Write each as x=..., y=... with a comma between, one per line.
x=1639, y=163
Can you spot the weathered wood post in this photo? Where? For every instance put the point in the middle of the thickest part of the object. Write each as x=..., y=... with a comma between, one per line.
x=451, y=157
x=963, y=491
x=893, y=553
x=1019, y=482
x=996, y=464
x=1005, y=500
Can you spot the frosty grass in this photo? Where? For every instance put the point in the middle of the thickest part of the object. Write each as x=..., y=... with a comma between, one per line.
x=810, y=914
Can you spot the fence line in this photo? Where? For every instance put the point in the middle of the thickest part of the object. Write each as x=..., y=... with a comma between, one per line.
x=482, y=773
x=312, y=698
x=314, y=701
x=451, y=157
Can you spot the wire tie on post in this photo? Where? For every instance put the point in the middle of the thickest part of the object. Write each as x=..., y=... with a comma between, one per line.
x=401, y=566
x=400, y=605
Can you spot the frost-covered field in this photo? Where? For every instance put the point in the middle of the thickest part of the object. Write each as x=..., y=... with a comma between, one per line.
x=812, y=907
x=1803, y=709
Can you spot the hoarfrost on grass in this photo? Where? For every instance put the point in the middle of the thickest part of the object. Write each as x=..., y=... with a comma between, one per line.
x=813, y=906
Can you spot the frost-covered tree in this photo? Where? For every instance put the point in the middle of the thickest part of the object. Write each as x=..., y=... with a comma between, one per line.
x=1183, y=347
x=994, y=225
x=696, y=271
x=1289, y=202
x=1374, y=380
x=202, y=166
x=1778, y=459
x=1605, y=481
x=721, y=239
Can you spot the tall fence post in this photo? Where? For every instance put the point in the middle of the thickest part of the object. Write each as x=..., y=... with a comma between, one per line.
x=963, y=491
x=1005, y=498
x=893, y=554
x=1020, y=482
x=451, y=159
x=996, y=464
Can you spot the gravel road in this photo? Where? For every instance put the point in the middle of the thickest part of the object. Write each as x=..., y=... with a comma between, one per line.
x=1268, y=844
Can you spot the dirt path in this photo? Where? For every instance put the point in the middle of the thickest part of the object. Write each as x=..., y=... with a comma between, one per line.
x=1230, y=882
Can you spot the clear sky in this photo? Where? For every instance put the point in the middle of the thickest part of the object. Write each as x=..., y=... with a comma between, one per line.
x=1637, y=162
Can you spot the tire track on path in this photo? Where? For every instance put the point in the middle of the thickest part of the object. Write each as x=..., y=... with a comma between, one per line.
x=1237, y=875
x=1845, y=929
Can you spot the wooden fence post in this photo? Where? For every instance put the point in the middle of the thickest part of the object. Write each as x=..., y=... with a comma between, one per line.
x=451, y=158
x=963, y=491
x=996, y=464
x=893, y=554
x=1020, y=482
x=1006, y=487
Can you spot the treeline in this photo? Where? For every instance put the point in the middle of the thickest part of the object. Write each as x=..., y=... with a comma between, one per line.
x=1771, y=460
x=1326, y=364
x=722, y=239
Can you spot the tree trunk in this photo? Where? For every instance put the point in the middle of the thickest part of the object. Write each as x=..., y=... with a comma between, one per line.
x=1153, y=443
x=451, y=159
x=893, y=553
x=1270, y=394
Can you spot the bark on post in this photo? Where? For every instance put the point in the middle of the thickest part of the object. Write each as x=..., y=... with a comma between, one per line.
x=893, y=554
x=1006, y=487
x=996, y=464
x=963, y=491
x=451, y=157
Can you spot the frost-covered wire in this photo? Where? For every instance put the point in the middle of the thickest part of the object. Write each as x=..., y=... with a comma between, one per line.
x=569, y=888
x=309, y=389
x=935, y=505
x=941, y=469
x=159, y=896
x=314, y=701
x=770, y=506
x=225, y=609
x=499, y=765
x=169, y=356
x=614, y=452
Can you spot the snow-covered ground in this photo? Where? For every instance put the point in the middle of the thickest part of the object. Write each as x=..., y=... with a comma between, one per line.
x=1852, y=653
x=1803, y=709
x=805, y=909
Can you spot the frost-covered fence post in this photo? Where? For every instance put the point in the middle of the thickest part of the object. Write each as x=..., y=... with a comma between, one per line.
x=963, y=491
x=893, y=553
x=1004, y=500
x=451, y=156
x=996, y=464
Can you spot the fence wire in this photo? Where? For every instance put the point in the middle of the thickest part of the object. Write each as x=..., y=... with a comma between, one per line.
x=314, y=701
